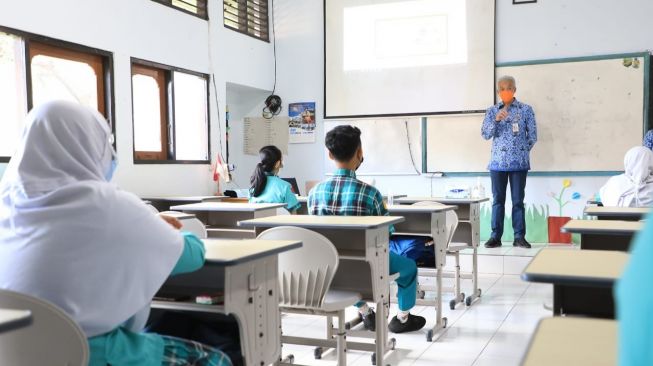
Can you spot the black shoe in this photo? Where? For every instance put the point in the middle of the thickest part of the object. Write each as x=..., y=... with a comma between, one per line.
x=493, y=243
x=369, y=320
x=412, y=324
x=521, y=243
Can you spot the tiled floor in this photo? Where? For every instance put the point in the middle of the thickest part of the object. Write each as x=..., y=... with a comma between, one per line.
x=494, y=331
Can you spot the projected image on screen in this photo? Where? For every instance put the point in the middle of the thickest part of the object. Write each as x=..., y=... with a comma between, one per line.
x=409, y=34
x=403, y=57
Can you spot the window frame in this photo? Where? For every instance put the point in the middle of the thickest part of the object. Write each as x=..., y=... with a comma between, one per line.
x=108, y=92
x=204, y=16
x=243, y=30
x=170, y=113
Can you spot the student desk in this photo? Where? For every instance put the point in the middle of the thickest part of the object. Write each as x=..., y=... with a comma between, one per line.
x=582, y=279
x=359, y=240
x=11, y=319
x=617, y=213
x=164, y=203
x=246, y=272
x=573, y=341
x=468, y=231
x=303, y=200
x=428, y=221
x=221, y=219
x=604, y=234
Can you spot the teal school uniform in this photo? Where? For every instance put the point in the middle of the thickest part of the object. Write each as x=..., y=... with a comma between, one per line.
x=277, y=190
x=634, y=302
x=124, y=347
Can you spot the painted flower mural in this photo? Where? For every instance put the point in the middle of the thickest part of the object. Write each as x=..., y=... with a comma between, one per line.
x=555, y=223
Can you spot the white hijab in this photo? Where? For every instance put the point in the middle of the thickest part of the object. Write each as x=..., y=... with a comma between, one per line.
x=634, y=188
x=70, y=237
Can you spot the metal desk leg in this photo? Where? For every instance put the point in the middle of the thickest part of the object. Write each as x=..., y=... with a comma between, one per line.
x=475, y=220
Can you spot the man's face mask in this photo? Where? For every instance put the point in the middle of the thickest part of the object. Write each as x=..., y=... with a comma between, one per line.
x=507, y=96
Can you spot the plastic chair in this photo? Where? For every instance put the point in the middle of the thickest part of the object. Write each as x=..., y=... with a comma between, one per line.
x=52, y=338
x=281, y=211
x=305, y=277
x=453, y=250
x=190, y=224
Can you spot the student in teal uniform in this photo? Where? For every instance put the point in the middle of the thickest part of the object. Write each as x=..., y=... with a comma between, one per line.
x=634, y=301
x=71, y=237
x=267, y=187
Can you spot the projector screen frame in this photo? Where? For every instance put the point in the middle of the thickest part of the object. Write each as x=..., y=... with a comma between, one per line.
x=412, y=114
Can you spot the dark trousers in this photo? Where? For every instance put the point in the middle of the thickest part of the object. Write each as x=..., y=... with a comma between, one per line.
x=517, y=187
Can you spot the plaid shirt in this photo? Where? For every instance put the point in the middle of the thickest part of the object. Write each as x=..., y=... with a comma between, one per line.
x=344, y=195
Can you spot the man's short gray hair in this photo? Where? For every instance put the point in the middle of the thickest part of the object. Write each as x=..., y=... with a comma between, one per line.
x=507, y=78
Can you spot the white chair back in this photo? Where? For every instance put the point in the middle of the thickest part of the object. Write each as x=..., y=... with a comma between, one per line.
x=190, y=224
x=451, y=219
x=52, y=338
x=305, y=274
x=152, y=208
x=281, y=211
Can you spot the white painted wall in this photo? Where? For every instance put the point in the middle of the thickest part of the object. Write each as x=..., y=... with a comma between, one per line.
x=548, y=29
x=151, y=31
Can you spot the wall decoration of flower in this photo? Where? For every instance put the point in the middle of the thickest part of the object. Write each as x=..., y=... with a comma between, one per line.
x=566, y=183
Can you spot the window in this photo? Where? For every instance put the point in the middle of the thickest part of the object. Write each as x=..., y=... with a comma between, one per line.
x=171, y=117
x=150, y=113
x=36, y=69
x=247, y=16
x=194, y=7
x=59, y=73
x=13, y=97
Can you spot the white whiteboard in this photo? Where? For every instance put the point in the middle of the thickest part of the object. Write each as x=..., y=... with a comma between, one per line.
x=385, y=146
x=588, y=113
x=394, y=57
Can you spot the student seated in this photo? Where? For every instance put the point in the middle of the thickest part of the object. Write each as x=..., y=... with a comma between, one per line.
x=634, y=302
x=70, y=237
x=344, y=195
x=267, y=187
x=633, y=188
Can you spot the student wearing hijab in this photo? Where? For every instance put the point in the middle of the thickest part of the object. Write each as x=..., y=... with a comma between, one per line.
x=70, y=237
x=267, y=187
x=634, y=188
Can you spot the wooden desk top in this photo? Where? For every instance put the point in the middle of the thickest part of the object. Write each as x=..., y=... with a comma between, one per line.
x=420, y=208
x=232, y=252
x=227, y=207
x=608, y=227
x=324, y=222
x=576, y=267
x=617, y=211
x=304, y=199
x=187, y=198
x=573, y=341
x=11, y=319
x=451, y=201
x=178, y=215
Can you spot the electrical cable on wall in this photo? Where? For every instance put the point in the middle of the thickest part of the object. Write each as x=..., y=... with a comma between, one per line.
x=410, y=149
x=273, y=103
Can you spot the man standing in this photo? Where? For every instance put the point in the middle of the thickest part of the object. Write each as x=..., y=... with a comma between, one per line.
x=511, y=126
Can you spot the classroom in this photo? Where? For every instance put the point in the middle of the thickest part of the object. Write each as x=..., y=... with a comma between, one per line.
x=326, y=182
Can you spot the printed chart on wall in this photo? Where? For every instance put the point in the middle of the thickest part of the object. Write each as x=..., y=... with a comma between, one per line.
x=301, y=124
x=261, y=132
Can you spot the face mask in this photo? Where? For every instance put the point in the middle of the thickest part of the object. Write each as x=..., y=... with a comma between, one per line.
x=506, y=96
x=112, y=169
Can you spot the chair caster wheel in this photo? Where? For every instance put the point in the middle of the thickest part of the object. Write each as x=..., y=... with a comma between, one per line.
x=468, y=301
x=452, y=304
x=429, y=335
x=317, y=353
x=373, y=358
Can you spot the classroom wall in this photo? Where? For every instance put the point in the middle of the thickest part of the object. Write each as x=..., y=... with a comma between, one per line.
x=151, y=31
x=547, y=29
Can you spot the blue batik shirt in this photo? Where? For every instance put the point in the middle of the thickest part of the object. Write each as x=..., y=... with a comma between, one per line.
x=648, y=139
x=510, y=150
